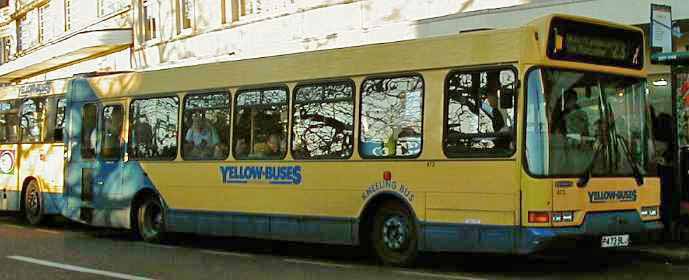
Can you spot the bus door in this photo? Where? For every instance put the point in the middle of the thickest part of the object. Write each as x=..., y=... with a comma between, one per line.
x=82, y=137
x=108, y=173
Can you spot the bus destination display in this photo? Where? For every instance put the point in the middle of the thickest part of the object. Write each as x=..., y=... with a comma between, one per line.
x=590, y=43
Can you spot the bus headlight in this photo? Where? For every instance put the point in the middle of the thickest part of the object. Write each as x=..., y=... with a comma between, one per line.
x=650, y=211
x=568, y=217
x=563, y=217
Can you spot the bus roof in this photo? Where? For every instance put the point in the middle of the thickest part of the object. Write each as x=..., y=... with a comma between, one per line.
x=492, y=47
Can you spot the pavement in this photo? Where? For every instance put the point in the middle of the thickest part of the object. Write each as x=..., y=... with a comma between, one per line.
x=671, y=252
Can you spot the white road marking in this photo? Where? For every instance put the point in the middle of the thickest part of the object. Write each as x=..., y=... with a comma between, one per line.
x=444, y=276
x=159, y=246
x=78, y=268
x=48, y=231
x=15, y=226
x=221, y=253
x=317, y=263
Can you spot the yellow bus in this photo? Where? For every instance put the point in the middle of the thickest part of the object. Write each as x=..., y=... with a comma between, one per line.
x=510, y=140
x=32, y=117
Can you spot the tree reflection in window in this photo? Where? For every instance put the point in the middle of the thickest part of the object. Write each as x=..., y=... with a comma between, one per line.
x=480, y=113
x=153, y=128
x=322, y=126
x=260, y=126
x=8, y=122
x=111, y=131
x=391, y=117
x=32, y=120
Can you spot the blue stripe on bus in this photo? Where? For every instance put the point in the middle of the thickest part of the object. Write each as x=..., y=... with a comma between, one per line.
x=281, y=182
x=236, y=182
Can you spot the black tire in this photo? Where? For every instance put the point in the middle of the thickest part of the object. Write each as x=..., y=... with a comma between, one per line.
x=150, y=220
x=393, y=235
x=33, y=204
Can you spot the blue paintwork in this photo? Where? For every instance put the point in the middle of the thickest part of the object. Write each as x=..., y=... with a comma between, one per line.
x=115, y=182
x=52, y=202
x=280, y=227
x=525, y=240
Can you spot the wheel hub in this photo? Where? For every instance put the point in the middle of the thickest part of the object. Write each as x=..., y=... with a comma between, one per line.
x=395, y=232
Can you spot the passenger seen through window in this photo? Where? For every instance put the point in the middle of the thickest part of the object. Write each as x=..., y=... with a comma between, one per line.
x=260, y=124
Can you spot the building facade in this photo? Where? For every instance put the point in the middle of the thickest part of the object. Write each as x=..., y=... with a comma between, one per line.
x=171, y=33
x=49, y=40
x=43, y=40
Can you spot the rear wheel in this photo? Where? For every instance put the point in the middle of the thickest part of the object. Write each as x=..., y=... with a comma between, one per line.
x=394, y=237
x=150, y=220
x=33, y=203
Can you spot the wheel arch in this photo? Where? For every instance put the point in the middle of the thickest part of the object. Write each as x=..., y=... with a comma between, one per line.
x=365, y=217
x=138, y=197
x=25, y=184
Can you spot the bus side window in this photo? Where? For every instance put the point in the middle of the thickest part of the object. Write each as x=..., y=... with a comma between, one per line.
x=8, y=122
x=153, y=131
x=89, y=136
x=55, y=119
x=260, y=124
x=323, y=121
x=206, y=126
x=32, y=122
x=480, y=113
x=111, y=132
x=391, y=117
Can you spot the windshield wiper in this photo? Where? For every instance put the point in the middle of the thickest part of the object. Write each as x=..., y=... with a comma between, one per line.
x=584, y=179
x=635, y=167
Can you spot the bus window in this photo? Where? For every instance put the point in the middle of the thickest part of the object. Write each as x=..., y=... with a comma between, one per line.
x=89, y=136
x=153, y=128
x=8, y=122
x=32, y=113
x=206, y=126
x=323, y=121
x=58, y=129
x=480, y=113
x=260, y=126
x=391, y=117
x=55, y=119
x=110, y=148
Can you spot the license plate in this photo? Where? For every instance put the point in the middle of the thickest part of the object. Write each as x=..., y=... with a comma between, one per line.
x=615, y=241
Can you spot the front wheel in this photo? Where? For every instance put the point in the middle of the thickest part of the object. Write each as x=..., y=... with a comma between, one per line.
x=394, y=237
x=150, y=220
x=33, y=204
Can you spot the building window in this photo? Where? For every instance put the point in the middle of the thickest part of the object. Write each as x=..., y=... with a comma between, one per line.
x=260, y=124
x=186, y=14
x=150, y=12
x=44, y=26
x=323, y=121
x=27, y=31
x=6, y=49
x=153, y=128
x=68, y=15
x=391, y=117
x=108, y=7
x=480, y=113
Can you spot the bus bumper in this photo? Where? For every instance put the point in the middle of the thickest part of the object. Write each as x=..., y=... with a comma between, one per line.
x=589, y=234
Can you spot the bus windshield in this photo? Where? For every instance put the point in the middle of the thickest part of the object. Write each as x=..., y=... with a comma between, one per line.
x=585, y=123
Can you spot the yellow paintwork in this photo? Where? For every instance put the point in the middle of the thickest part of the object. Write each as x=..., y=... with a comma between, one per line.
x=43, y=162
x=485, y=191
